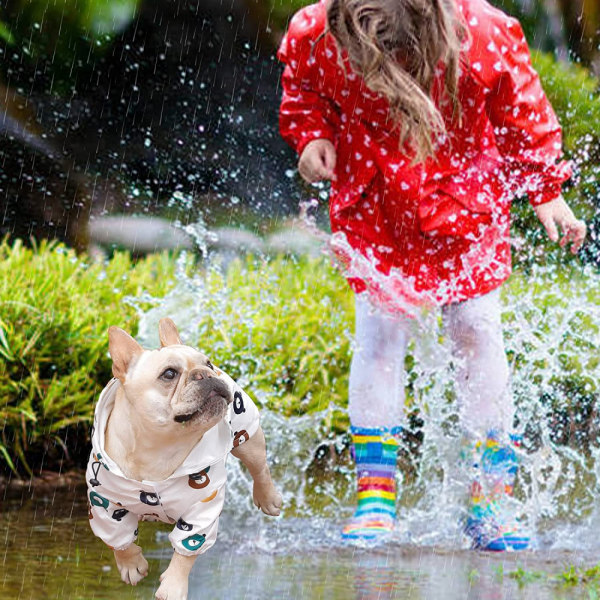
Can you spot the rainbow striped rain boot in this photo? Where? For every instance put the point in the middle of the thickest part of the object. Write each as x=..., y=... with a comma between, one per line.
x=491, y=523
x=375, y=452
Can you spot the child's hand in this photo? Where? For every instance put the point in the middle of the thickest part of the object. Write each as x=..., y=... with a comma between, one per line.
x=557, y=213
x=317, y=161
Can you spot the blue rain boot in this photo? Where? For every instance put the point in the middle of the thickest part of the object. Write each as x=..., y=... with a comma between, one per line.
x=491, y=523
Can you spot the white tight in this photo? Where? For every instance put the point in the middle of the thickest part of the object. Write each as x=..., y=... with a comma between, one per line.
x=482, y=377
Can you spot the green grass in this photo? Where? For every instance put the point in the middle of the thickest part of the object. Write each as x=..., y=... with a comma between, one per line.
x=569, y=578
x=285, y=326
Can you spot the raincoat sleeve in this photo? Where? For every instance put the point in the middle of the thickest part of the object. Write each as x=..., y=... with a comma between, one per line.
x=527, y=131
x=196, y=531
x=109, y=520
x=115, y=526
x=305, y=114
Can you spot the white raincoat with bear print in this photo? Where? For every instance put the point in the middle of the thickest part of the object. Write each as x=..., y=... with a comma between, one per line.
x=191, y=498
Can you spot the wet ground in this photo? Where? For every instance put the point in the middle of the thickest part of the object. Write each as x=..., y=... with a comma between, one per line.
x=50, y=552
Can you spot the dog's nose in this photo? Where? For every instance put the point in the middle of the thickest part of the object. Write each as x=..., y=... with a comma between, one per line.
x=201, y=373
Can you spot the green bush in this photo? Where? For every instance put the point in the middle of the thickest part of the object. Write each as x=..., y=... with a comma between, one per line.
x=283, y=325
x=55, y=309
x=573, y=92
x=552, y=327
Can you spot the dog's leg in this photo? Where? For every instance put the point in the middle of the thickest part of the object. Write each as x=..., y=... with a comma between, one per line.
x=174, y=581
x=253, y=454
x=131, y=563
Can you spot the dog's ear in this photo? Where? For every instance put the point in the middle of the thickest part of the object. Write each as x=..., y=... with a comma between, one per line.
x=167, y=332
x=123, y=350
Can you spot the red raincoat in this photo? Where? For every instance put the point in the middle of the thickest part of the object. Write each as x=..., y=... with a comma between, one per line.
x=440, y=227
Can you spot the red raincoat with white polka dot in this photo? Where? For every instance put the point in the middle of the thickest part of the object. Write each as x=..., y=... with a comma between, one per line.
x=436, y=231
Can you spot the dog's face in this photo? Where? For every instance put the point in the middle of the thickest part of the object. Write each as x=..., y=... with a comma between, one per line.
x=169, y=388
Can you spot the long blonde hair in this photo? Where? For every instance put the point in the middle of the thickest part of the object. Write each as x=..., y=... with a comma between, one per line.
x=396, y=46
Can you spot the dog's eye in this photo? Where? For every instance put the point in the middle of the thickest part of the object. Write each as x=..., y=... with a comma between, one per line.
x=169, y=374
x=209, y=365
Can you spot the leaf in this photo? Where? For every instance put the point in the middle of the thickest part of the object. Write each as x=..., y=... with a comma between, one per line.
x=5, y=350
x=6, y=35
x=7, y=458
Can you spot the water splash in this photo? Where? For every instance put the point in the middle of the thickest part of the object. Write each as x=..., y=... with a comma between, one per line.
x=552, y=322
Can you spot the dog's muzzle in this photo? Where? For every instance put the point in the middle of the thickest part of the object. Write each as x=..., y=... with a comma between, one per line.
x=204, y=397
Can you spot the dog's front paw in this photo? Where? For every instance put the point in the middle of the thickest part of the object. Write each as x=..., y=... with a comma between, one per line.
x=132, y=565
x=267, y=498
x=172, y=587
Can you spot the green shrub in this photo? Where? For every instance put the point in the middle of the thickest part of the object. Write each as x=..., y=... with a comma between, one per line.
x=284, y=326
x=573, y=92
x=552, y=327
x=55, y=309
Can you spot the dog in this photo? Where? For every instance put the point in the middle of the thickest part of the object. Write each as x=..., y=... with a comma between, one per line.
x=163, y=428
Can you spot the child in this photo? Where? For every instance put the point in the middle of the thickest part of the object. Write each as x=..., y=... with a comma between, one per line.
x=427, y=117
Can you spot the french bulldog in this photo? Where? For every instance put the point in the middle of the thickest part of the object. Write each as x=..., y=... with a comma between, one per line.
x=163, y=428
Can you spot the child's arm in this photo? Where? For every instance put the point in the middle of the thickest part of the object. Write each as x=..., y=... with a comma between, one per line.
x=527, y=131
x=308, y=120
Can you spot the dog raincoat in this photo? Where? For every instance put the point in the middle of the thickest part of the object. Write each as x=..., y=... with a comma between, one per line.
x=191, y=498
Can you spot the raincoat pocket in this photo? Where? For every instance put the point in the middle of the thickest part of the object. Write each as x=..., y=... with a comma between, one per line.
x=353, y=186
x=441, y=215
x=459, y=204
x=351, y=192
